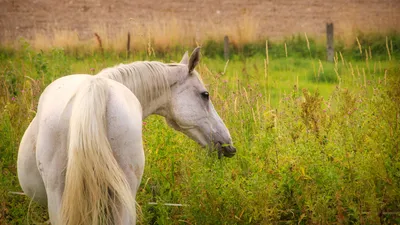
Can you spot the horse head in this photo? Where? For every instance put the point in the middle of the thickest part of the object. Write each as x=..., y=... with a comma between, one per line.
x=192, y=112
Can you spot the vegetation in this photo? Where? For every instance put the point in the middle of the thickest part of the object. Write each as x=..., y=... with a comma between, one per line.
x=318, y=142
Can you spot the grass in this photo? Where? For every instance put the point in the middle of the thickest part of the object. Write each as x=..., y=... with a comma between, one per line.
x=318, y=142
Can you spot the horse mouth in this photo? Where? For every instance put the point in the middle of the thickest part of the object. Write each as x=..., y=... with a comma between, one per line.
x=226, y=150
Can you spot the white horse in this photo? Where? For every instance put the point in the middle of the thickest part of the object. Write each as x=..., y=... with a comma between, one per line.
x=82, y=154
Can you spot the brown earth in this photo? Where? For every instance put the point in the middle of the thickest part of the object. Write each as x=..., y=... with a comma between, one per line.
x=273, y=18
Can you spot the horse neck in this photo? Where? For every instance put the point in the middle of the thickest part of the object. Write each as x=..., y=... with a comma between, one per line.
x=153, y=94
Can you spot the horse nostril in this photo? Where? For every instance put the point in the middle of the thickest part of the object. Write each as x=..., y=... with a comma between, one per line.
x=225, y=149
x=229, y=150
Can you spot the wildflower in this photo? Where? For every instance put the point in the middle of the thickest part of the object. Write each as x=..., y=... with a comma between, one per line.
x=13, y=98
x=144, y=123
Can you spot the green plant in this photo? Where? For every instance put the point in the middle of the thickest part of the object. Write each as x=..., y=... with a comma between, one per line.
x=318, y=143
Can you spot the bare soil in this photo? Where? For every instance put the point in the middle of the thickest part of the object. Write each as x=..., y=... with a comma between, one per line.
x=274, y=18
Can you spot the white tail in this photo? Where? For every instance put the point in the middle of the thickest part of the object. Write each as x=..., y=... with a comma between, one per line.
x=96, y=189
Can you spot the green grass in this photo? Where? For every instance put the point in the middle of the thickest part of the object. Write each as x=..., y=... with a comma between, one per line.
x=318, y=143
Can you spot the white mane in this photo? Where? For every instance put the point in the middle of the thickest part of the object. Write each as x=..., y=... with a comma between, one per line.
x=147, y=80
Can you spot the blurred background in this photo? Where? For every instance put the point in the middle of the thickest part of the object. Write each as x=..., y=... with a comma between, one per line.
x=168, y=23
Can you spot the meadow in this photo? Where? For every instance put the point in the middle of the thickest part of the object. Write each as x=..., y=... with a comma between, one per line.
x=318, y=142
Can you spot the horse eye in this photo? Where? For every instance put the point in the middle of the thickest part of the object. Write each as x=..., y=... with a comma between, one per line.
x=205, y=95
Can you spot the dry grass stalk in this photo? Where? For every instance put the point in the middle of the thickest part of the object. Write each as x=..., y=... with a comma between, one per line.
x=352, y=71
x=366, y=59
x=235, y=105
x=225, y=67
x=286, y=50
x=391, y=45
x=365, y=78
x=99, y=42
x=254, y=115
x=246, y=95
x=336, y=60
x=342, y=58
x=320, y=68
x=359, y=45
x=308, y=43
x=265, y=70
x=370, y=52
x=387, y=48
x=266, y=51
x=338, y=77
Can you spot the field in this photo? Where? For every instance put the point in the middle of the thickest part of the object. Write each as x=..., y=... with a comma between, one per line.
x=318, y=142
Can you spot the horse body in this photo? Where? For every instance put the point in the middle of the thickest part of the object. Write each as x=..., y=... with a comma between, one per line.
x=42, y=175
x=28, y=167
x=83, y=155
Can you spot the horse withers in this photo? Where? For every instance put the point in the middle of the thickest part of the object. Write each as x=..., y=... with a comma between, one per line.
x=82, y=155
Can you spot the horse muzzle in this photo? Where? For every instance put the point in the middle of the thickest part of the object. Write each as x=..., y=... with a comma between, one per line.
x=226, y=150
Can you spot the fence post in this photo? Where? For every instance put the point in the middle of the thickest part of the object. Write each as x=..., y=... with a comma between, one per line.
x=128, y=45
x=226, y=48
x=330, y=51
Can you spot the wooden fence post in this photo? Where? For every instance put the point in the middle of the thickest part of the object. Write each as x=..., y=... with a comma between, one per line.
x=128, y=45
x=330, y=51
x=226, y=48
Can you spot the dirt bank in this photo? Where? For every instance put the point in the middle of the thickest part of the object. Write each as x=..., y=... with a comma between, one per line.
x=272, y=18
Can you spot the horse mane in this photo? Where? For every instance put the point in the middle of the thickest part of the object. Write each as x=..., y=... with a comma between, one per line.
x=147, y=80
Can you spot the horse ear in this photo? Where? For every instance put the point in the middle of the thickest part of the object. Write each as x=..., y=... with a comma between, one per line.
x=194, y=59
x=185, y=58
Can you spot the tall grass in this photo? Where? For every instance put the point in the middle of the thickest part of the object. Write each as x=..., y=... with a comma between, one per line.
x=310, y=151
x=162, y=34
x=168, y=34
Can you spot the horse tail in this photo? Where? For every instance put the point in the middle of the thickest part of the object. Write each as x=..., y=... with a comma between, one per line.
x=95, y=185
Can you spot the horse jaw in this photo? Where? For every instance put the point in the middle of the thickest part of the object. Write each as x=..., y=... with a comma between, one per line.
x=208, y=131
